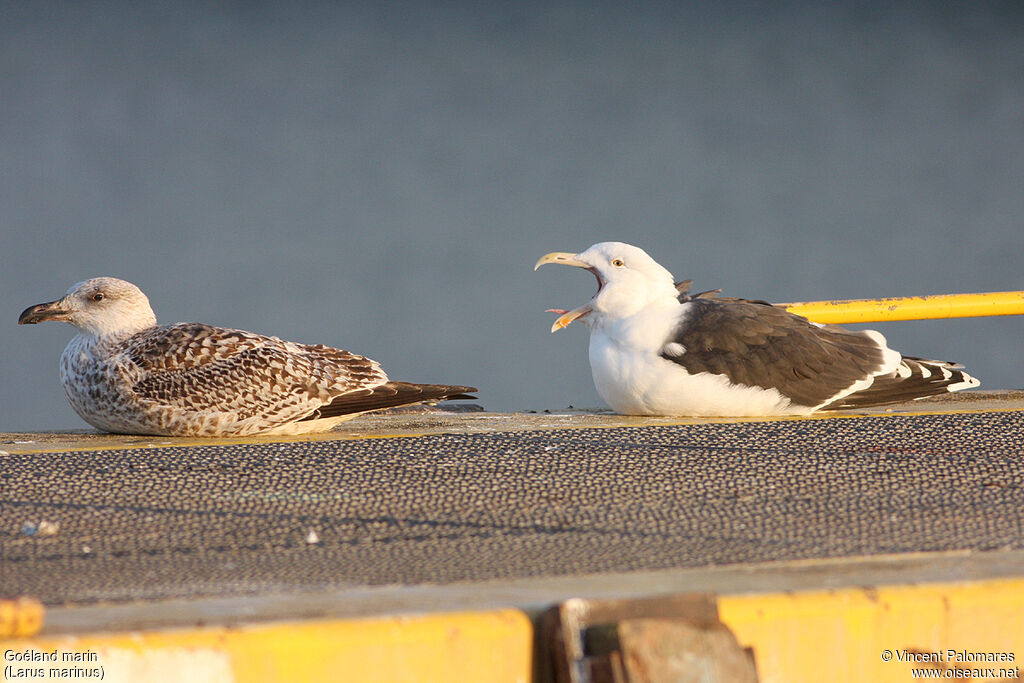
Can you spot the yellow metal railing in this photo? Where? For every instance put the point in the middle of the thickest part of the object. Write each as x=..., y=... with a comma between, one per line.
x=909, y=307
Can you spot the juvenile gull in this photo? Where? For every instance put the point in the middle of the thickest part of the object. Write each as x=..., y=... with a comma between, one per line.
x=656, y=350
x=123, y=373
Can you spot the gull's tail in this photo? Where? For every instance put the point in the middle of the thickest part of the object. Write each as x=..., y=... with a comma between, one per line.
x=914, y=378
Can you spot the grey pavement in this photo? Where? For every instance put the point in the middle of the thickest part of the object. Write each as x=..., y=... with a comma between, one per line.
x=444, y=500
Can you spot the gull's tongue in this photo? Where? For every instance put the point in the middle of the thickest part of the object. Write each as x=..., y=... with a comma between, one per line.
x=559, y=311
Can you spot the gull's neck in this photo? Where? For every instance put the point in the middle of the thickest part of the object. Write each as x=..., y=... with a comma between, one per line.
x=111, y=330
x=625, y=303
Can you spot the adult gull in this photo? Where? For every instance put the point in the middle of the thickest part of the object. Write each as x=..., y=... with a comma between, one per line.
x=657, y=350
x=125, y=374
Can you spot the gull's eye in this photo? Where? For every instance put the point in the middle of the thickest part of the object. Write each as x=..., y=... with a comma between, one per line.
x=98, y=296
x=618, y=263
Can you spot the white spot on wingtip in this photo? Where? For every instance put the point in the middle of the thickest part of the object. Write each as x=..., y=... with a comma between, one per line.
x=968, y=382
x=673, y=349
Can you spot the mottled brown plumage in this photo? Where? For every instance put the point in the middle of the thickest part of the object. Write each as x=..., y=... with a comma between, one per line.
x=125, y=374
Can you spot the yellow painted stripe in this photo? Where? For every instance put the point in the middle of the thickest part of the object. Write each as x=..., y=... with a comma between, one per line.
x=846, y=635
x=467, y=646
x=910, y=307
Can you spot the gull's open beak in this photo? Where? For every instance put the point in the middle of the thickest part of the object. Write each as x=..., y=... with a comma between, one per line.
x=567, y=259
x=51, y=310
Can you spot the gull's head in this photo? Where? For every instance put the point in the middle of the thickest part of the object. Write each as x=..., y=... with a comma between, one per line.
x=102, y=306
x=628, y=280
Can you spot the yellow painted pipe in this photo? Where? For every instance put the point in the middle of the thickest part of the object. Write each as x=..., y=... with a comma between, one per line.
x=910, y=307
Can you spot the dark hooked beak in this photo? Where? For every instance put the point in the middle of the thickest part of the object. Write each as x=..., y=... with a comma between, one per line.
x=51, y=310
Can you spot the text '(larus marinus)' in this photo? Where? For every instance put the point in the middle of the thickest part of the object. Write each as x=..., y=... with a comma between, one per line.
x=656, y=350
x=123, y=373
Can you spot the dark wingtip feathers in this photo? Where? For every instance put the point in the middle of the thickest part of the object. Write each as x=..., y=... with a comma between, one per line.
x=393, y=395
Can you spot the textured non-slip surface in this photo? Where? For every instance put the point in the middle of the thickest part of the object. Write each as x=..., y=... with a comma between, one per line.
x=153, y=523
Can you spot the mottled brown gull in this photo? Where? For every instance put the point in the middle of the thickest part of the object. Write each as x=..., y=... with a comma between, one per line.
x=123, y=373
x=655, y=350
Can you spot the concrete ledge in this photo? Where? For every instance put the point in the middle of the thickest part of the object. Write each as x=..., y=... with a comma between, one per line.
x=853, y=618
x=878, y=633
x=532, y=595
x=832, y=620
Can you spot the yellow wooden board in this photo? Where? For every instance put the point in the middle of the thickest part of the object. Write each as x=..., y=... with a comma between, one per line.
x=468, y=646
x=884, y=634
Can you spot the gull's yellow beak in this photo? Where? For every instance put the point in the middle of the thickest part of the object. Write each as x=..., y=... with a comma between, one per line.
x=565, y=259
